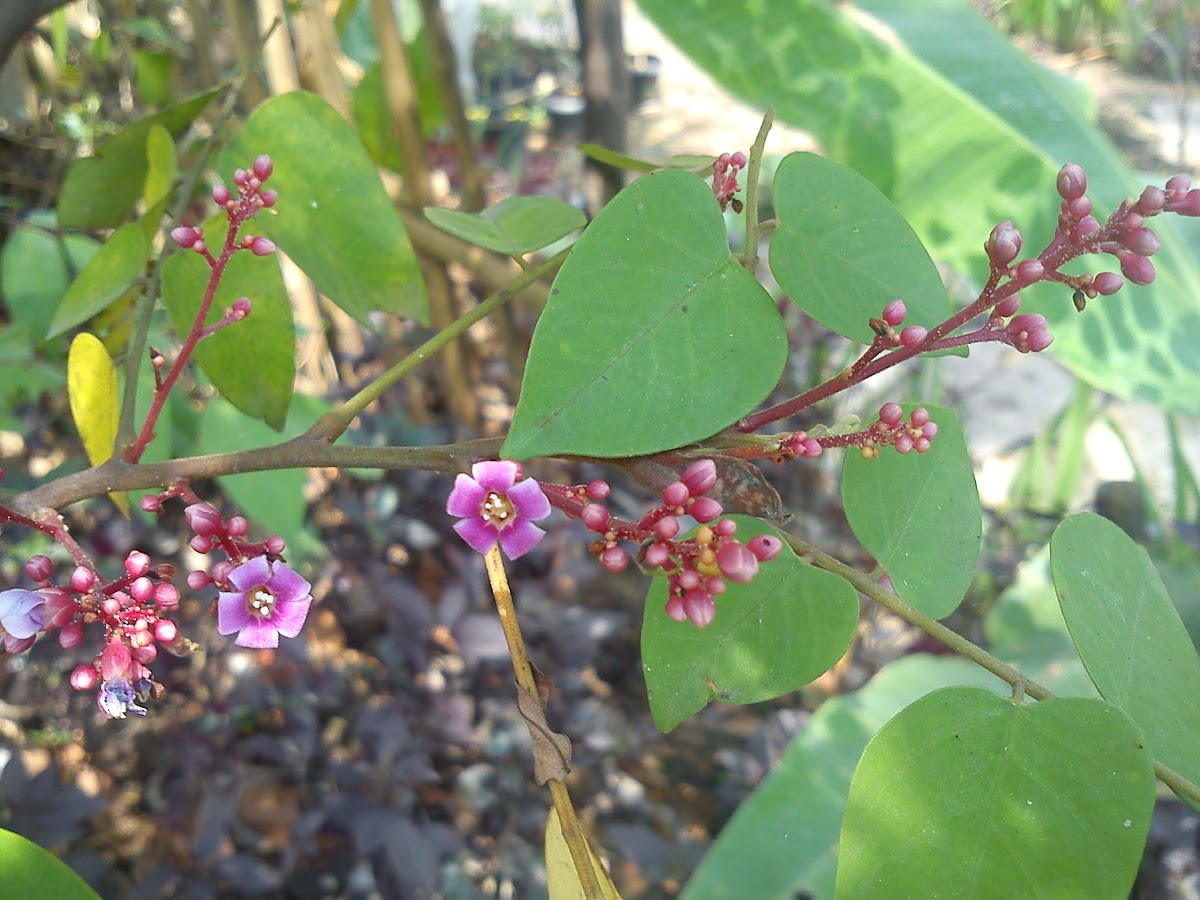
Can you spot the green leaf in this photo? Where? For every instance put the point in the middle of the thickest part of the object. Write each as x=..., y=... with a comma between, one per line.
x=373, y=122
x=111, y=272
x=153, y=69
x=27, y=870
x=251, y=362
x=783, y=839
x=333, y=216
x=101, y=190
x=654, y=336
x=163, y=166
x=513, y=226
x=919, y=515
x=966, y=794
x=1129, y=635
x=969, y=133
x=842, y=252
x=95, y=401
x=36, y=268
x=699, y=164
x=771, y=636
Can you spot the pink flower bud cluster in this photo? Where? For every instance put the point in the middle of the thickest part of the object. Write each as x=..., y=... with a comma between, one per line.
x=249, y=200
x=891, y=429
x=133, y=610
x=725, y=184
x=697, y=568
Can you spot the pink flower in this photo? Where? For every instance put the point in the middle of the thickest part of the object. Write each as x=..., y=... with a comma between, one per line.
x=22, y=615
x=494, y=506
x=270, y=600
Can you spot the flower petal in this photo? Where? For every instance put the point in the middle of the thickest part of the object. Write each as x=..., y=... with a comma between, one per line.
x=286, y=584
x=232, y=614
x=258, y=635
x=528, y=500
x=251, y=573
x=478, y=533
x=21, y=613
x=288, y=617
x=495, y=474
x=467, y=497
x=520, y=537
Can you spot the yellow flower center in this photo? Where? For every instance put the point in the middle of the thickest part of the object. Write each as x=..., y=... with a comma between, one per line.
x=498, y=510
x=260, y=602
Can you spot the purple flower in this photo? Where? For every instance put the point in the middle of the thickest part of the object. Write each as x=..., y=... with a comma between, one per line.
x=270, y=600
x=22, y=615
x=116, y=698
x=494, y=506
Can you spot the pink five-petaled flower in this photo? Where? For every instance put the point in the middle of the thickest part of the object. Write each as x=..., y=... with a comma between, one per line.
x=270, y=600
x=493, y=506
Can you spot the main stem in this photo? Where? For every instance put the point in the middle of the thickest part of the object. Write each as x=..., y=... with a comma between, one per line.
x=573, y=834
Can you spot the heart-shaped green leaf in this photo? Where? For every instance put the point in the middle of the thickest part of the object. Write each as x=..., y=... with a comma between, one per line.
x=1129, y=635
x=654, y=336
x=771, y=636
x=842, y=251
x=333, y=216
x=513, y=226
x=919, y=515
x=784, y=838
x=966, y=794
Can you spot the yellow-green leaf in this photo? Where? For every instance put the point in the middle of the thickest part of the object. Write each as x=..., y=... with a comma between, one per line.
x=562, y=881
x=163, y=166
x=95, y=406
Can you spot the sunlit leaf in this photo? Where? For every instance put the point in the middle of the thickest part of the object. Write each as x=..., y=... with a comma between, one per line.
x=95, y=403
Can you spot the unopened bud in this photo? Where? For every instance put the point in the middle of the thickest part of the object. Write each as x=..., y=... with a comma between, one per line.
x=1072, y=181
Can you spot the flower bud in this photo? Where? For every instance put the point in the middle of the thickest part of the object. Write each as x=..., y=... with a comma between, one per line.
x=165, y=631
x=1079, y=207
x=1142, y=241
x=597, y=489
x=1151, y=201
x=676, y=493
x=725, y=528
x=895, y=312
x=1003, y=245
x=657, y=556
x=913, y=336
x=705, y=509
x=903, y=444
x=275, y=544
x=675, y=609
x=203, y=519
x=237, y=526
x=137, y=563
x=891, y=414
x=699, y=607
x=198, y=580
x=1008, y=306
x=261, y=246
x=1072, y=181
x=84, y=677
x=667, y=527
x=614, y=559
x=150, y=503
x=699, y=477
x=70, y=636
x=39, y=568
x=241, y=308
x=1177, y=186
x=185, y=236
x=765, y=547
x=1107, y=283
x=167, y=596
x=221, y=195
x=738, y=160
x=1030, y=270
x=142, y=590
x=1137, y=269
x=594, y=516
x=82, y=579
x=737, y=563
x=1189, y=205
x=268, y=198
x=1087, y=227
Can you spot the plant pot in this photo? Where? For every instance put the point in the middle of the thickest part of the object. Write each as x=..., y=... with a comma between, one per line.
x=565, y=112
x=643, y=77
